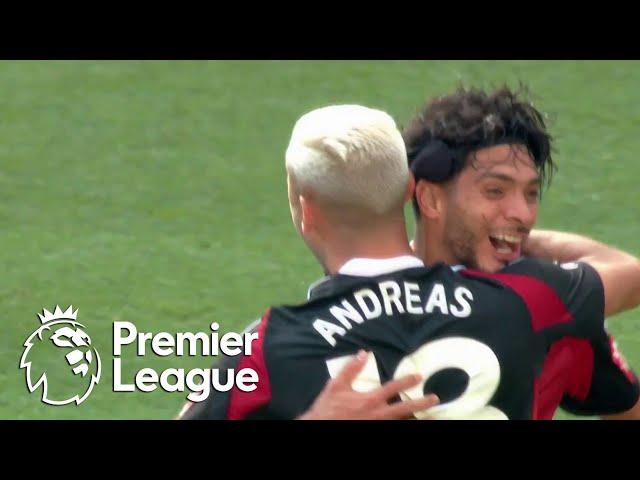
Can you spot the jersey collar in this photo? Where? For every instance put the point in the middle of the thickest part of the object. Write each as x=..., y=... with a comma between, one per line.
x=366, y=267
x=371, y=267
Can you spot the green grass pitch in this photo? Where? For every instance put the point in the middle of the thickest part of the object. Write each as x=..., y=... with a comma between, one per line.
x=154, y=192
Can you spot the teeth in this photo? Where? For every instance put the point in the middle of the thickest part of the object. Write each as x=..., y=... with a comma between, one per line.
x=507, y=238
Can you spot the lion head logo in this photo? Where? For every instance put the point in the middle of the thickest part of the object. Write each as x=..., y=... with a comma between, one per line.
x=66, y=346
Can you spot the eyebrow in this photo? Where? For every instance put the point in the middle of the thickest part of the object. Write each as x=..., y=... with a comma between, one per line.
x=506, y=178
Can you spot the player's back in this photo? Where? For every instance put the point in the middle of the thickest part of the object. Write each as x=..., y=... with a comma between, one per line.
x=470, y=338
x=510, y=345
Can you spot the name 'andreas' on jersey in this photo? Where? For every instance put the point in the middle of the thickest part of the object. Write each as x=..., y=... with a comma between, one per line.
x=391, y=298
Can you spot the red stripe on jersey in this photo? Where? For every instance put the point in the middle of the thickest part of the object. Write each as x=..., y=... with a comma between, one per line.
x=242, y=403
x=544, y=304
x=567, y=370
x=568, y=366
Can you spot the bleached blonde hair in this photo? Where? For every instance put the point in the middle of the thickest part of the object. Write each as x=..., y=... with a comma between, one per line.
x=351, y=156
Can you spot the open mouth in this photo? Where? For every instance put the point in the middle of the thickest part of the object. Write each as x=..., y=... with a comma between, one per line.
x=506, y=246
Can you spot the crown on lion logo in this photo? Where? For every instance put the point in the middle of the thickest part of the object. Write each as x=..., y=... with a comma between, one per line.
x=58, y=314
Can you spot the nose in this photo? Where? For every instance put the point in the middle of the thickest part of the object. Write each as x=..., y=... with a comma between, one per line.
x=516, y=208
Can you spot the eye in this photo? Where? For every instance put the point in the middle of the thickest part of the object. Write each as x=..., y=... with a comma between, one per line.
x=533, y=195
x=494, y=192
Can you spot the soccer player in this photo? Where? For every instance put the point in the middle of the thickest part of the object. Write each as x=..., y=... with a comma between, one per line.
x=479, y=160
x=478, y=341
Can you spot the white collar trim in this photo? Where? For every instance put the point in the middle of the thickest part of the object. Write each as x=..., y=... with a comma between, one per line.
x=370, y=267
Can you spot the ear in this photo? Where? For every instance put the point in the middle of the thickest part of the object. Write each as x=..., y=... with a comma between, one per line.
x=430, y=197
x=307, y=222
x=411, y=186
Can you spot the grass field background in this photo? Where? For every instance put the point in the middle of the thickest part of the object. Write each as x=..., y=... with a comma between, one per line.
x=154, y=192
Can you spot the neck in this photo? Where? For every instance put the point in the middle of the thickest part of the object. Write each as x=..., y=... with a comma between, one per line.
x=429, y=247
x=378, y=243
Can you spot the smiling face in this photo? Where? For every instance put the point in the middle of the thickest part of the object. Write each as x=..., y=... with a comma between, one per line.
x=478, y=207
x=490, y=207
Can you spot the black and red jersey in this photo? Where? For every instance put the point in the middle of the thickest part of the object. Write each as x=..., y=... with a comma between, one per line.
x=511, y=345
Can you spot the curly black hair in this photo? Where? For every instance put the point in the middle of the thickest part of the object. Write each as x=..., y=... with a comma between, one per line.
x=471, y=119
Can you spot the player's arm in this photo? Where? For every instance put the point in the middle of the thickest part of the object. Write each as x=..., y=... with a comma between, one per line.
x=601, y=382
x=614, y=390
x=634, y=412
x=618, y=270
x=339, y=401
